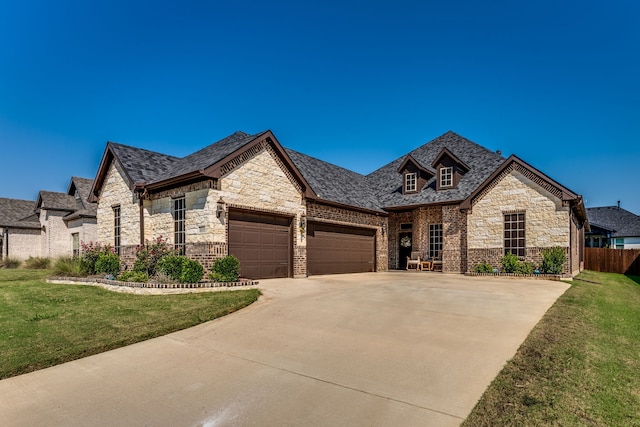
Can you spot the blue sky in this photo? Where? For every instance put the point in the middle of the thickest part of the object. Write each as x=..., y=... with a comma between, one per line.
x=355, y=83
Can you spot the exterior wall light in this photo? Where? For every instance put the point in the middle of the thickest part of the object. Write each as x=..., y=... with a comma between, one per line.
x=220, y=209
x=383, y=229
x=302, y=225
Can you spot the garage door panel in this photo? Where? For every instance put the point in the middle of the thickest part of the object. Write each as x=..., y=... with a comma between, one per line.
x=262, y=243
x=335, y=249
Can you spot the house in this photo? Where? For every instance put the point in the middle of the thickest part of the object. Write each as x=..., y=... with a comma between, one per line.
x=286, y=214
x=613, y=227
x=19, y=229
x=52, y=226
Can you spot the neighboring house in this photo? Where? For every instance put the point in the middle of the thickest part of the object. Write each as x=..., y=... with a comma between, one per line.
x=285, y=214
x=52, y=226
x=613, y=227
x=20, y=229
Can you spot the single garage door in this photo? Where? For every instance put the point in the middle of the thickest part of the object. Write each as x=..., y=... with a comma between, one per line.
x=262, y=243
x=333, y=249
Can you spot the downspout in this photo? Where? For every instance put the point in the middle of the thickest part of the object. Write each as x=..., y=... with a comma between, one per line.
x=141, y=204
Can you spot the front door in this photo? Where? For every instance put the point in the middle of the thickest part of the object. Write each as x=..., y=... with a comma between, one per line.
x=405, y=251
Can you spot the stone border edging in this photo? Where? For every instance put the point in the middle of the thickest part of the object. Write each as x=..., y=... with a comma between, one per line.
x=133, y=286
x=540, y=276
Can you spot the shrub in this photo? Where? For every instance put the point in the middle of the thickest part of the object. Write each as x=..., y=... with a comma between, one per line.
x=510, y=263
x=90, y=254
x=149, y=254
x=225, y=269
x=37, y=263
x=108, y=263
x=180, y=268
x=483, y=267
x=133, y=276
x=69, y=266
x=192, y=271
x=553, y=260
x=171, y=266
x=10, y=263
x=526, y=267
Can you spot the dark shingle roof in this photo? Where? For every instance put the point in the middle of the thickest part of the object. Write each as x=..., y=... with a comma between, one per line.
x=83, y=186
x=620, y=221
x=207, y=156
x=142, y=166
x=58, y=201
x=482, y=162
x=334, y=183
x=18, y=213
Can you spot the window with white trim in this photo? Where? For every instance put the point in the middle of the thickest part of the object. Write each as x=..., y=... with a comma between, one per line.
x=514, y=234
x=179, y=225
x=446, y=177
x=410, y=182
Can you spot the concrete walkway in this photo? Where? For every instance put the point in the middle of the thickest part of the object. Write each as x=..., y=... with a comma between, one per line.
x=377, y=349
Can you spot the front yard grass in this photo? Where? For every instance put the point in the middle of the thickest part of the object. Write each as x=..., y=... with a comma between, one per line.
x=43, y=324
x=580, y=364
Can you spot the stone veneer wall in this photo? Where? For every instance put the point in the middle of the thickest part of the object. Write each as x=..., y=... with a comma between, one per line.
x=115, y=191
x=56, y=239
x=547, y=221
x=342, y=216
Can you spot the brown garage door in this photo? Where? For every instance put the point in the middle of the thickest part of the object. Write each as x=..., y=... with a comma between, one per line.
x=333, y=249
x=262, y=243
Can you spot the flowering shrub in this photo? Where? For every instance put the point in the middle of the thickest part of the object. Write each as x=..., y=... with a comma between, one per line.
x=90, y=252
x=149, y=254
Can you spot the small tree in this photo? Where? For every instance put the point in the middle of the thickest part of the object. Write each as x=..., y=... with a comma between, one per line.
x=91, y=252
x=149, y=254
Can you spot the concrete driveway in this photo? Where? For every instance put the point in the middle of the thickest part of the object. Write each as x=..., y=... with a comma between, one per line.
x=387, y=349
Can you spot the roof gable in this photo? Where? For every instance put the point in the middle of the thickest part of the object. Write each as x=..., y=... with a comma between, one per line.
x=446, y=153
x=55, y=201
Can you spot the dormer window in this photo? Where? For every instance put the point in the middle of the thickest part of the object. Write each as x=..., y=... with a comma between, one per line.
x=410, y=182
x=446, y=177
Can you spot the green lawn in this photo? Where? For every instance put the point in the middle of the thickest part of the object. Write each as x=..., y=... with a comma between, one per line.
x=580, y=366
x=43, y=324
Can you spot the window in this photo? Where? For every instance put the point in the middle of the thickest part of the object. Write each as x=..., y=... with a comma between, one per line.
x=410, y=182
x=619, y=243
x=435, y=240
x=116, y=229
x=446, y=177
x=75, y=239
x=514, y=241
x=178, y=225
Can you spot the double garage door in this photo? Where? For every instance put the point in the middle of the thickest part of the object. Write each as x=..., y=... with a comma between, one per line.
x=264, y=245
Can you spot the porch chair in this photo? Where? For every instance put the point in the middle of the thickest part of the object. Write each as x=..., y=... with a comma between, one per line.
x=437, y=262
x=414, y=259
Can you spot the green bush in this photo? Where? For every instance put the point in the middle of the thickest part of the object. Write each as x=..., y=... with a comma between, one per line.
x=133, y=276
x=526, y=267
x=171, y=266
x=225, y=269
x=510, y=263
x=483, y=267
x=70, y=267
x=90, y=254
x=10, y=263
x=37, y=263
x=192, y=271
x=108, y=263
x=149, y=254
x=553, y=260
x=180, y=268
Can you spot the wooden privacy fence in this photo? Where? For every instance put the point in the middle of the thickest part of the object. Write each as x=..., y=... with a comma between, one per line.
x=623, y=261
